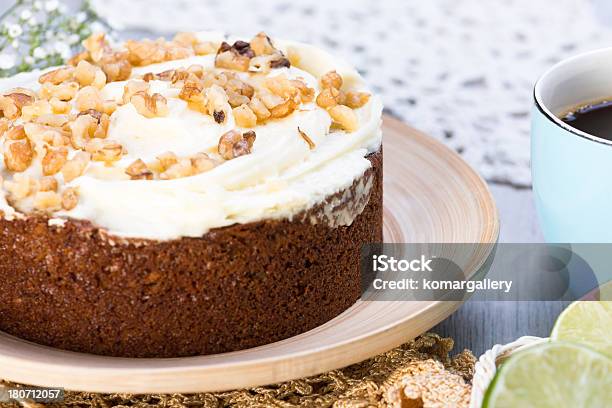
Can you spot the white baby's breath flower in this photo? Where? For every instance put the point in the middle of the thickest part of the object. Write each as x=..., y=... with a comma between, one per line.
x=15, y=43
x=73, y=39
x=37, y=5
x=29, y=59
x=32, y=21
x=39, y=53
x=51, y=5
x=7, y=61
x=25, y=14
x=81, y=17
x=14, y=30
x=62, y=49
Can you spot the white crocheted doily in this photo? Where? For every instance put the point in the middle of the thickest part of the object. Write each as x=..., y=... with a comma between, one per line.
x=461, y=70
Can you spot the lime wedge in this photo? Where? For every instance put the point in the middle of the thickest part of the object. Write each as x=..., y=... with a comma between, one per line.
x=555, y=375
x=588, y=323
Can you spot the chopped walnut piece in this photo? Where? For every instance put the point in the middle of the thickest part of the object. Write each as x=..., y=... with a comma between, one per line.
x=186, y=39
x=47, y=201
x=192, y=93
x=87, y=98
x=236, y=56
x=64, y=91
x=18, y=154
x=329, y=97
x=21, y=186
x=54, y=160
x=15, y=133
x=356, y=100
x=85, y=73
x=235, y=99
x=201, y=162
x=70, y=198
x=48, y=183
x=96, y=46
x=331, y=80
x=182, y=168
x=59, y=106
x=88, y=74
x=53, y=120
x=36, y=109
x=96, y=125
x=261, y=44
x=306, y=94
x=5, y=124
x=307, y=139
x=75, y=59
x=217, y=103
x=244, y=116
x=116, y=67
x=138, y=170
x=284, y=109
x=109, y=106
x=104, y=150
x=75, y=167
x=227, y=142
x=205, y=48
x=233, y=144
x=259, y=108
x=133, y=86
x=11, y=103
x=57, y=76
x=344, y=117
x=166, y=160
x=146, y=52
x=149, y=106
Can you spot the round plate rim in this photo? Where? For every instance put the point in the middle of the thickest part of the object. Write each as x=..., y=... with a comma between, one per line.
x=392, y=332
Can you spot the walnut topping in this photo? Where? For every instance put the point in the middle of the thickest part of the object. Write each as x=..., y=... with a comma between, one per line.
x=233, y=144
x=15, y=133
x=76, y=166
x=201, y=162
x=36, y=109
x=47, y=183
x=18, y=155
x=307, y=139
x=329, y=97
x=148, y=52
x=63, y=92
x=138, y=170
x=47, y=201
x=11, y=104
x=166, y=160
x=217, y=103
x=244, y=116
x=104, y=150
x=259, y=109
x=149, y=106
x=20, y=187
x=181, y=168
x=70, y=198
x=57, y=76
x=331, y=80
x=236, y=56
x=133, y=86
x=54, y=160
x=356, y=100
x=88, y=98
x=344, y=117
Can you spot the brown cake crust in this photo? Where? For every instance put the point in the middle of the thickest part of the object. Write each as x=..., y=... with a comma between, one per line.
x=241, y=286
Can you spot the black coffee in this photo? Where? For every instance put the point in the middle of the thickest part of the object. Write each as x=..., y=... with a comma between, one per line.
x=593, y=119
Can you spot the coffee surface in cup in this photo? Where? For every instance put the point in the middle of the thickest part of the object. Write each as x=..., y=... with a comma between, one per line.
x=594, y=119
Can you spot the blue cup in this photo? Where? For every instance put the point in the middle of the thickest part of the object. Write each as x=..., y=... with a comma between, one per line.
x=571, y=169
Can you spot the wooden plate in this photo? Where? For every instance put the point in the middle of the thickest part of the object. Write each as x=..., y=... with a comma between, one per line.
x=431, y=195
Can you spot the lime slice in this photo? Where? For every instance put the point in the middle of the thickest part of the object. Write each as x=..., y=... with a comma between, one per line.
x=555, y=375
x=587, y=323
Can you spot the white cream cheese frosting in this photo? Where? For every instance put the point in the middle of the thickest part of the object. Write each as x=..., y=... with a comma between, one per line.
x=280, y=178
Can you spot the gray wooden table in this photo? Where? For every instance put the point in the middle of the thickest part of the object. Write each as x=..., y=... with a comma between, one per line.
x=479, y=325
